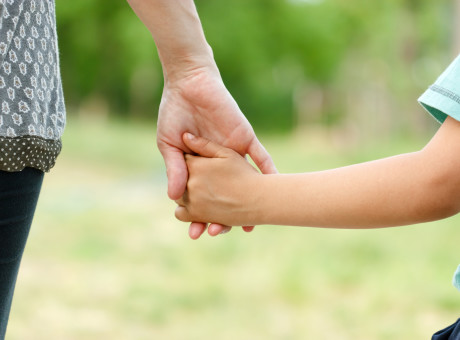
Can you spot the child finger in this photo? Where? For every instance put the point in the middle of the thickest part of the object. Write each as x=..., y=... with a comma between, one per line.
x=202, y=146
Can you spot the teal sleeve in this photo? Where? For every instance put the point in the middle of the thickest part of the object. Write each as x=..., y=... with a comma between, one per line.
x=456, y=278
x=442, y=99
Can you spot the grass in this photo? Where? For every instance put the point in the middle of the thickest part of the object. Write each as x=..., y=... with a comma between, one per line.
x=107, y=259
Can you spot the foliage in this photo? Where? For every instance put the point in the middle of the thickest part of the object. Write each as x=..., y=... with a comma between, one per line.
x=269, y=52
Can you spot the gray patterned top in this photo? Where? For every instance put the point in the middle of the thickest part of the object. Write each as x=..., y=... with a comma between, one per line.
x=32, y=111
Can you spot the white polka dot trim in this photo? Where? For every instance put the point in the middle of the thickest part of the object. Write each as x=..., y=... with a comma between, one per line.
x=32, y=110
x=28, y=151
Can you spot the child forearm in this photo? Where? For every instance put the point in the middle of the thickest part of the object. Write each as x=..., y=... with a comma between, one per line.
x=400, y=190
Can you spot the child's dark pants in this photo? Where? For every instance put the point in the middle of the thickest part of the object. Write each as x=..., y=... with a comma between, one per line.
x=449, y=333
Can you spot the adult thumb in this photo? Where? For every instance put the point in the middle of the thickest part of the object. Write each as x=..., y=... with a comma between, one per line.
x=261, y=157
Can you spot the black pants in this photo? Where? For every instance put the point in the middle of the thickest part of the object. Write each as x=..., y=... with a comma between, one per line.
x=18, y=198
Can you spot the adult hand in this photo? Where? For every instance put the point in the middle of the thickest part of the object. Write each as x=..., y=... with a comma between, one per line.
x=199, y=103
x=194, y=99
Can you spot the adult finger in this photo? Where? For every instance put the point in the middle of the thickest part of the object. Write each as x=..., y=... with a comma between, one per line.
x=196, y=229
x=202, y=146
x=215, y=229
x=261, y=157
x=176, y=170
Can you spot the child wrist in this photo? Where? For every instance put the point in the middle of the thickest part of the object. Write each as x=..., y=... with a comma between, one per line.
x=259, y=192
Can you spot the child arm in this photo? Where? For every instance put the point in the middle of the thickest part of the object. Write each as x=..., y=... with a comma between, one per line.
x=405, y=189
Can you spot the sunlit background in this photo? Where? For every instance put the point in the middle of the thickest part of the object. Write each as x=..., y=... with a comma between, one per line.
x=325, y=84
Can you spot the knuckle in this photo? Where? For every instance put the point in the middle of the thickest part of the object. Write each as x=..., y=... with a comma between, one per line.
x=205, y=143
x=185, y=198
x=228, y=153
x=191, y=164
x=181, y=214
x=191, y=185
x=160, y=143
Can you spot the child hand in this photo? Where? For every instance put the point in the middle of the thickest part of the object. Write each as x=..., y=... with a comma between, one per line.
x=222, y=185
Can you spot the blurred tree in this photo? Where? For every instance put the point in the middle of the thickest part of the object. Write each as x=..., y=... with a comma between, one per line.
x=107, y=53
x=285, y=61
x=266, y=48
x=456, y=35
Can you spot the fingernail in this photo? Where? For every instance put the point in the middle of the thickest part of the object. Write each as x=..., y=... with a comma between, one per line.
x=224, y=231
x=188, y=135
x=212, y=230
x=193, y=234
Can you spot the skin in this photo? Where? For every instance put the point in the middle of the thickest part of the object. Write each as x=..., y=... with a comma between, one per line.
x=194, y=97
x=410, y=188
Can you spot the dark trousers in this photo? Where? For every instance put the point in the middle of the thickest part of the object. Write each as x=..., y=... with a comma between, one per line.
x=449, y=333
x=18, y=198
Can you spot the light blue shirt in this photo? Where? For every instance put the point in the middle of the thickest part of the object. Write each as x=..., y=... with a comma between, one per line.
x=443, y=99
x=456, y=279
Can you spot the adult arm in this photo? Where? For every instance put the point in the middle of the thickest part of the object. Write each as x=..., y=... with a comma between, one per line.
x=194, y=97
x=405, y=189
x=178, y=34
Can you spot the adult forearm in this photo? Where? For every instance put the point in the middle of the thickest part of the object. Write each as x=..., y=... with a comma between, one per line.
x=178, y=34
x=400, y=190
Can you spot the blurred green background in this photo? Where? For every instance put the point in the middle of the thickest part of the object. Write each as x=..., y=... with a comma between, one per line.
x=325, y=84
x=288, y=63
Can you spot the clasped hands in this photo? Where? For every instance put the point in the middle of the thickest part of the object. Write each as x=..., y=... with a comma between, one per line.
x=221, y=188
x=200, y=104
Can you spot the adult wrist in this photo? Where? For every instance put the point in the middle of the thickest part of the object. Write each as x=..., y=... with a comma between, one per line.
x=184, y=65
